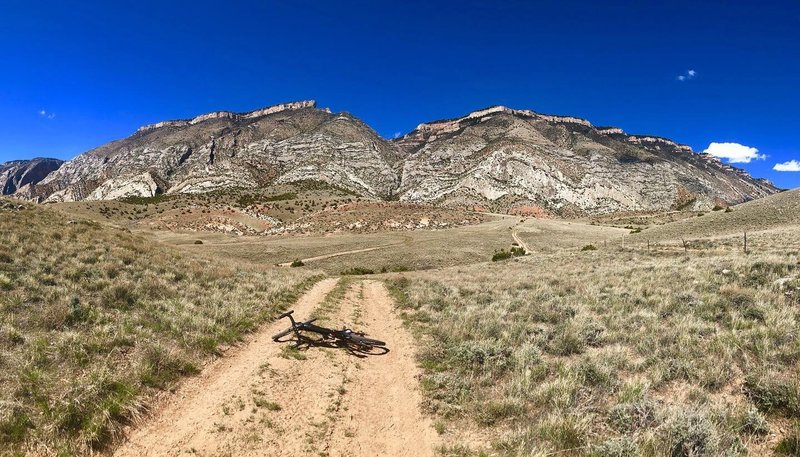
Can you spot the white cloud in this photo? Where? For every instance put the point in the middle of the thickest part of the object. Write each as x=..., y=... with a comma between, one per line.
x=397, y=134
x=47, y=115
x=690, y=74
x=792, y=165
x=734, y=152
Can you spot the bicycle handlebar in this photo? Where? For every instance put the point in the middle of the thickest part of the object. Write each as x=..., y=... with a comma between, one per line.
x=286, y=314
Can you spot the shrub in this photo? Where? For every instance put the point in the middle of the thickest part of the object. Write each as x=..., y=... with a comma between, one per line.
x=501, y=255
x=616, y=447
x=356, y=271
x=773, y=393
x=753, y=422
x=629, y=417
x=297, y=263
x=589, y=247
x=198, y=242
x=690, y=434
x=517, y=251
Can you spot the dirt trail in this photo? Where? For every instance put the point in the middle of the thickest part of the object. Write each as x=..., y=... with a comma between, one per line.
x=268, y=400
x=519, y=241
x=337, y=254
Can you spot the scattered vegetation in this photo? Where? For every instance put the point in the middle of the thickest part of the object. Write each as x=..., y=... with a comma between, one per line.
x=627, y=352
x=356, y=271
x=154, y=200
x=94, y=320
x=502, y=254
x=296, y=263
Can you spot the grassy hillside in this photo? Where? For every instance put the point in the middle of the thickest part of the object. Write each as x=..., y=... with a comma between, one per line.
x=776, y=211
x=94, y=320
x=613, y=352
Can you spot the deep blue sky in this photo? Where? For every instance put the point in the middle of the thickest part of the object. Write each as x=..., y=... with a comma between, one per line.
x=100, y=69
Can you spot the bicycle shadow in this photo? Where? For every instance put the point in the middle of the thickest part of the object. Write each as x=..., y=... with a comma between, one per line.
x=304, y=344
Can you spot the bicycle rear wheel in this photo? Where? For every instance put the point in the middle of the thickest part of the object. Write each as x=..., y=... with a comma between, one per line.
x=364, y=341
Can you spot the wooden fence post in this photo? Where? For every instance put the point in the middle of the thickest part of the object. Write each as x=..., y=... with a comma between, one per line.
x=685, y=248
x=745, y=242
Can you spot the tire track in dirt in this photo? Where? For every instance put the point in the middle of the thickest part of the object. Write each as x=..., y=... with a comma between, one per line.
x=205, y=416
x=271, y=400
x=380, y=412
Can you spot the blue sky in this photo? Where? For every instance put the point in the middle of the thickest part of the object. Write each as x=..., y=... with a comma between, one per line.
x=78, y=74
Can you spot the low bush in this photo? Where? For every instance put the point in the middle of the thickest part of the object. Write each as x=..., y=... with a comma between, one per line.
x=357, y=271
x=501, y=255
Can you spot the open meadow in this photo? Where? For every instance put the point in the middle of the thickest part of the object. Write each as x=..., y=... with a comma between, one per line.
x=597, y=342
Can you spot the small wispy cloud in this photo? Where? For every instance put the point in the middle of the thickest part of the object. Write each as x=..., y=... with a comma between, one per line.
x=791, y=165
x=397, y=135
x=734, y=152
x=690, y=74
x=46, y=114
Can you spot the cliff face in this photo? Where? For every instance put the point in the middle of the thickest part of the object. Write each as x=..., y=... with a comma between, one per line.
x=498, y=158
x=507, y=159
x=18, y=175
x=283, y=143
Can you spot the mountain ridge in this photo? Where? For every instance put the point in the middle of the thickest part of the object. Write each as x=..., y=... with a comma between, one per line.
x=496, y=157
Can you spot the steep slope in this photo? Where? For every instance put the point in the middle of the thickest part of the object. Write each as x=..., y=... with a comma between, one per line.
x=504, y=159
x=18, y=174
x=283, y=143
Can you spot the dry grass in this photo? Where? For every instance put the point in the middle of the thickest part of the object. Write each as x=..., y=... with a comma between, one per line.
x=614, y=352
x=94, y=320
x=400, y=251
x=774, y=212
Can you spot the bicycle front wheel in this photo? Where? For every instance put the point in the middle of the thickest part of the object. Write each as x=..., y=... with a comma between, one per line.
x=277, y=337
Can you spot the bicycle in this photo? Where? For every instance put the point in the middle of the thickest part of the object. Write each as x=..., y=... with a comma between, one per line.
x=347, y=338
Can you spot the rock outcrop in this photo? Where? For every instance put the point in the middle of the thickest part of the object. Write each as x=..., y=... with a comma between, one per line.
x=279, y=144
x=504, y=159
x=496, y=158
x=20, y=174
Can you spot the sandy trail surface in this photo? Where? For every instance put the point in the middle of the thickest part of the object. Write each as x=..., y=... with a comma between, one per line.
x=519, y=241
x=337, y=254
x=268, y=400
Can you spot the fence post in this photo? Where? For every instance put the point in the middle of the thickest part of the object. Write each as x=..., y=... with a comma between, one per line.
x=685, y=248
x=745, y=242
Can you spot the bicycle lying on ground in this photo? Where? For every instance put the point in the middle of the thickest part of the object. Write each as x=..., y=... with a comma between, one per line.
x=309, y=334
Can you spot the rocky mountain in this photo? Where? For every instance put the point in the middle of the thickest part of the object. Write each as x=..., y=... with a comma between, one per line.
x=283, y=143
x=522, y=161
x=19, y=175
x=496, y=158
